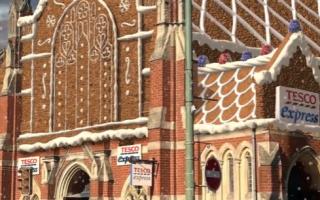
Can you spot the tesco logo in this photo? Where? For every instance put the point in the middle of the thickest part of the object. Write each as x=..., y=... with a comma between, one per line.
x=130, y=149
x=128, y=153
x=301, y=97
x=29, y=161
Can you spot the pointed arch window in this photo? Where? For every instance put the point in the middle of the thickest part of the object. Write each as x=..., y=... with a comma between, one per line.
x=228, y=176
x=231, y=174
x=245, y=184
x=249, y=172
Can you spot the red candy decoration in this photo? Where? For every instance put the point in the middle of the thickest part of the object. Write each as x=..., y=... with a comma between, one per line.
x=224, y=57
x=266, y=49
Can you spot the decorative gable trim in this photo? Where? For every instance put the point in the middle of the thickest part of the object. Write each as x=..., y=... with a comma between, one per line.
x=282, y=58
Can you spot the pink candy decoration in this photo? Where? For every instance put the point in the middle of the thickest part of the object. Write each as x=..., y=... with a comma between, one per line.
x=266, y=49
x=224, y=57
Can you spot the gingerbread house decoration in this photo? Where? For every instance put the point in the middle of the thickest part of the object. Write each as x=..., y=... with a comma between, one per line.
x=231, y=93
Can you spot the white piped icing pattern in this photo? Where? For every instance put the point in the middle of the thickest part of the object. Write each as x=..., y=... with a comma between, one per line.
x=227, y=92
x=295, y=40
x=233, y=97
x=85, y=136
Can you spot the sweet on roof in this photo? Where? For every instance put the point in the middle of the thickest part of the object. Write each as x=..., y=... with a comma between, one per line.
x=228, y=92
x=237, y=25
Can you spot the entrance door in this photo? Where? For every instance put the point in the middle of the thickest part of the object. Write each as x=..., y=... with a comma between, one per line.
x=79, y=187
x=303, y=183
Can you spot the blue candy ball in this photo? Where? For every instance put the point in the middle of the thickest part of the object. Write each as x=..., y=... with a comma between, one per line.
x=246, y=55
x=202, y=60
x=294, y=26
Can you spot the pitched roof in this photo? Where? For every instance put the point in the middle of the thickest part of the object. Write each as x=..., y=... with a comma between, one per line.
x=228, y=91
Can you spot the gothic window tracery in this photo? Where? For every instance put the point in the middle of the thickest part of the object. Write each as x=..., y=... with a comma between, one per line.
x=84, y=67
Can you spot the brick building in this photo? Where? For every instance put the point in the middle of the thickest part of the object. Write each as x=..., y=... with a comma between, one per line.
x=87, y=81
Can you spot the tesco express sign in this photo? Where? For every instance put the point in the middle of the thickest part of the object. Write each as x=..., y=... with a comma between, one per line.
x=127, y=153
x=30, y=162
x=297, y=106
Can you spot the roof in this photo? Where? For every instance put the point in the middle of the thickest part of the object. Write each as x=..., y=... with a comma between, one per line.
x=228, y=91
x=22, y=3
x=240, y=25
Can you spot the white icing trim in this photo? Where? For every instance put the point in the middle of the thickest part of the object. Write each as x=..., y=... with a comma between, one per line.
x=85, y=136
x=234, y=21
x=295, y=40
x=33, y=56
x=25, y=91
x=145, y=9
x=146, y=71
x=141, y=34
x=234, y=126
x=293, y=9
x=137, y=121
x=267, y=21
x=202, y=15
x=26, y=20
x=253, y=62
x=231, y=126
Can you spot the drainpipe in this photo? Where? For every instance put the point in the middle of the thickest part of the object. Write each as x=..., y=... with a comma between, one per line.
x=189, y=171
x=254, y=162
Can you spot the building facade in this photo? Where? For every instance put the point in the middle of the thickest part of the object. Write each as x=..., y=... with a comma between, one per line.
x=87, y=83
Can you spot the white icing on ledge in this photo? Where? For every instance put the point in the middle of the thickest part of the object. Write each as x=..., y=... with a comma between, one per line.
x=283, y=59
x=145, y=9
x=25, y=91
x=138, y=121
x=34, y=56
x=230, y=126
x=234, y=126
x=253, y=62
x=146, y=71
x=142, y=35
x=85, y=136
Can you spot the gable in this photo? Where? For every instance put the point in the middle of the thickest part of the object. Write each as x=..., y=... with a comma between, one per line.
x=295, y=74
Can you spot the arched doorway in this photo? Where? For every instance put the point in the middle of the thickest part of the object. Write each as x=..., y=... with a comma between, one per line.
x=304, y=178
x=79, y=186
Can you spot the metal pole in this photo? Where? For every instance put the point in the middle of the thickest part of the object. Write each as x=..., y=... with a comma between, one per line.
x=254, y=163
x=189, y=172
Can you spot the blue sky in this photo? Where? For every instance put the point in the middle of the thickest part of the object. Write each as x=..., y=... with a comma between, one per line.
x=4, y=9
